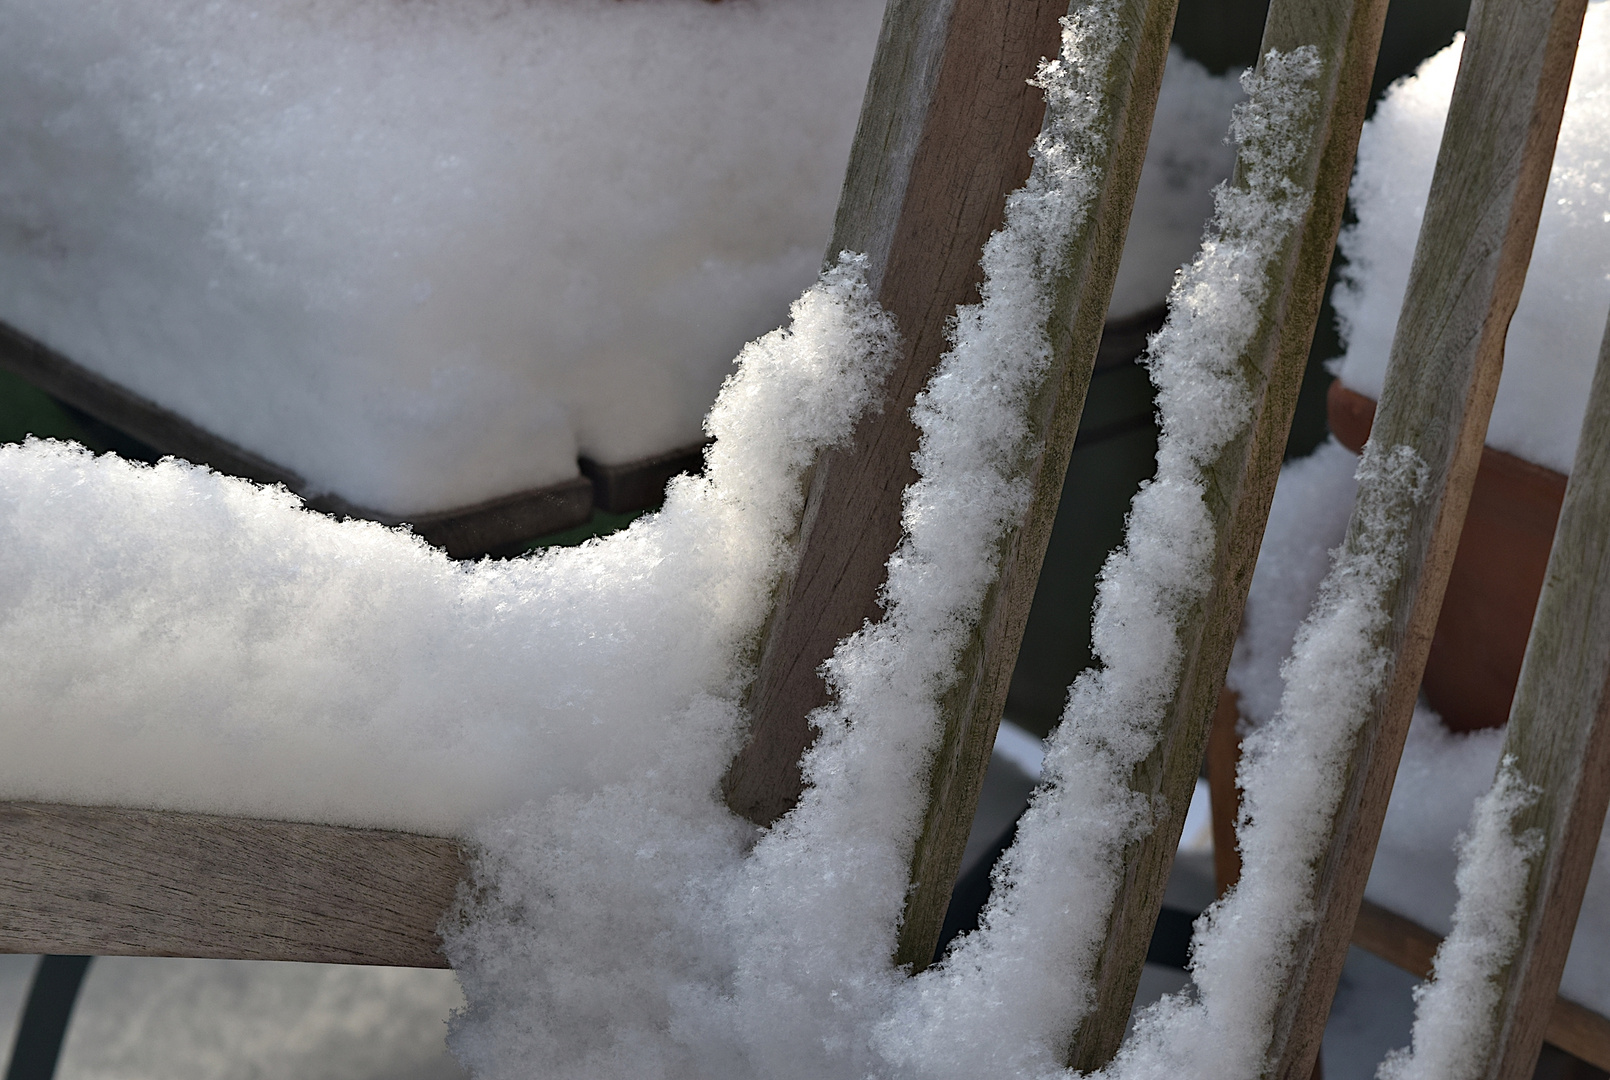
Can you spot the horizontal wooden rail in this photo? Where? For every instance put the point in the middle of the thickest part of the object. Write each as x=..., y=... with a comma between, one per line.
x=1406, y=944
x=115, y=882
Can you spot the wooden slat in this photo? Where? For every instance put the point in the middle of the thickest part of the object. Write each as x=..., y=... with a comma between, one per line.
x=1399, y=941
x=943, y=139
x=1559, y=738
x=1242, y=481
x=640, y=484
x=971, y=709
x=1481, y=217
x=1406, y=944
x=1475, y=658
x=117, y=882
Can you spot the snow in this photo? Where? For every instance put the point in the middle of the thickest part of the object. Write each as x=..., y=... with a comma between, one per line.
x=144, y=1018
x=1007, y=997
x=180, y=639
x=1454, y=1030
x=1441, y=774
x=1554, y=337
x=1186, y=158
x=218, y=648
x=422, y=254
x=777, y=964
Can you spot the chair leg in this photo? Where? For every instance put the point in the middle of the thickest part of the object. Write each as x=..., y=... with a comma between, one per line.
x=1223, y=753
x=43, y=1027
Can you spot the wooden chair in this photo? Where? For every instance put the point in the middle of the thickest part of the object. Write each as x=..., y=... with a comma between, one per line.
x=942, y=140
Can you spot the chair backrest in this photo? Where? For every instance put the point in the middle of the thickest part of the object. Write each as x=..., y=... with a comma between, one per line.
x=933, y=162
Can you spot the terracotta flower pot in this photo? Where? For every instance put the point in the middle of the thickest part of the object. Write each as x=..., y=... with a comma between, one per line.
x=1497, y=575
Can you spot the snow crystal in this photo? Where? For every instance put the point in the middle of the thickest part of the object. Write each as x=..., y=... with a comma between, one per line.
x=1441, y=774
x=422, y=254
x=1553, y=340
x=1291, y=770
x=1007, y=996
x=1186, y=158
x=1307, y=518
x=180, y=639
x=778, y=964
x=1455, y=1011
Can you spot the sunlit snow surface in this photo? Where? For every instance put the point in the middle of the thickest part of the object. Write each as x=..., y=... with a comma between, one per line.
x=1441, y=774
x=176, y=638
x=422, y=253
x=625, y=924
x=1554, y=338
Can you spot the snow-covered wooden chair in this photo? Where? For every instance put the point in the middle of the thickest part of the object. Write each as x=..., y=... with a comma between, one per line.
x=946, y=120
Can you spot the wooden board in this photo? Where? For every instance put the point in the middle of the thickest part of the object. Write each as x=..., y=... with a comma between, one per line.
x=1399, y=941
x=971, y=709
x=115, y=882
x=1559, y=739
x=1476, y=241
x=1476, y=652
x=640, y=484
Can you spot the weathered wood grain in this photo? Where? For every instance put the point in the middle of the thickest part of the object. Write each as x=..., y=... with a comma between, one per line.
x=1241, y=484
x=1223, y=757
x=1559, y=738
x=117, y=882
x=1408, y=945
x=1475, y=660
x=1469, y=265
x=971, y=709
x=943, y=139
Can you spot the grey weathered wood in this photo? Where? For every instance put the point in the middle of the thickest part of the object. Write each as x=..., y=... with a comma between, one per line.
x=943, y=139
x=1559, y=737
x=1408, y=945
x=640, y=484
x=163, y=430
x=1241, y=484
x=971, y=709
x=117, y=882
x=463, y=532
x=1469, y=265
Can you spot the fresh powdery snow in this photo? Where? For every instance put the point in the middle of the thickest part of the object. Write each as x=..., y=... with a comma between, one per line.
x=1554, y=338
x=1453, y=1030
x=426, y=254
x=178, y=638
x=1441, y=775
x=422, y=253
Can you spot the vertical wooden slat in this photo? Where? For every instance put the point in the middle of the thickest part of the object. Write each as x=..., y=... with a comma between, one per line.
x=1469, y=265
x=1241, y=484
x=971, y=708
x=1559, y=736
x=943, y=139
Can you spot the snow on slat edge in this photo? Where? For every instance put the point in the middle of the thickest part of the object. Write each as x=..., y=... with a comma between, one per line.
x=1469, y=266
